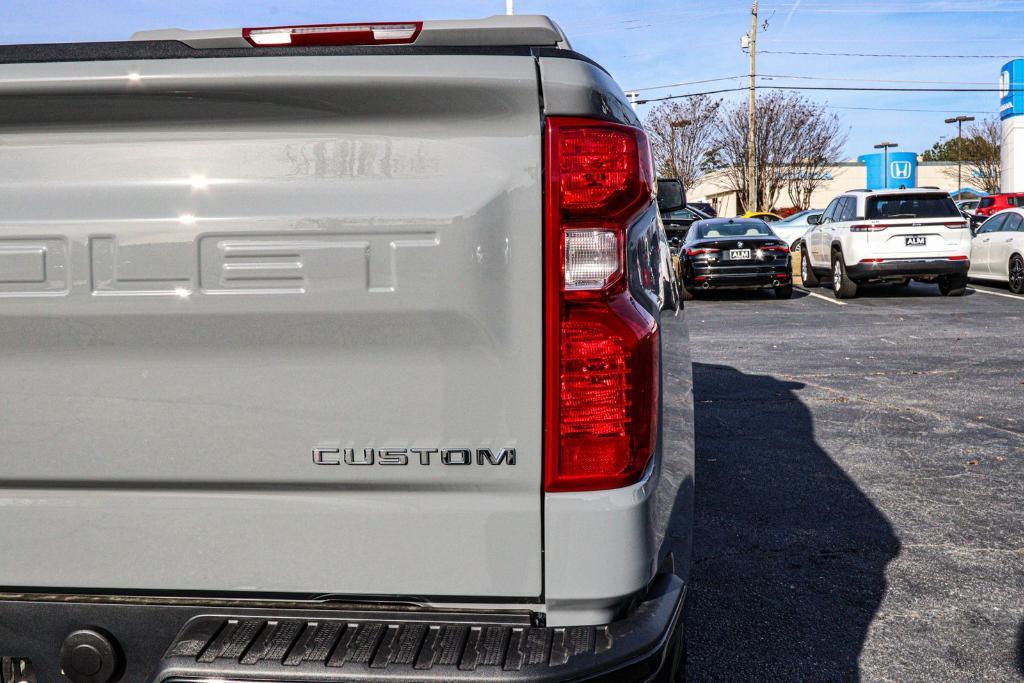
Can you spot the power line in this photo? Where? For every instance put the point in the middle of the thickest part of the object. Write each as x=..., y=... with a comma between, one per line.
x=810, y=78
x=828, y=88
x=878, y=54
x=689, y=94
x=926, y=111
x=887, y=8
x=874, y=80
x=679, y=85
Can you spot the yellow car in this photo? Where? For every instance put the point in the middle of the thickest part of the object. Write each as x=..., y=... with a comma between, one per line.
x=766, y=216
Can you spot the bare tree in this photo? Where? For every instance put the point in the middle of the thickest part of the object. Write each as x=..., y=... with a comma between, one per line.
x=795, y=142
x=682, y=134
x=819, y=142
x=979, y=153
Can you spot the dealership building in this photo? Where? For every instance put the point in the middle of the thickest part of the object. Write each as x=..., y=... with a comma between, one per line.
x=866, y=171
x=1011, y=111
x=895, y=169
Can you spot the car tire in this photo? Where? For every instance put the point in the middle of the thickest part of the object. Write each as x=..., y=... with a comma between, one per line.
x=807, y=275
x=842, y=286
x=1016, y=274
x=784, y=292
x=953, y=285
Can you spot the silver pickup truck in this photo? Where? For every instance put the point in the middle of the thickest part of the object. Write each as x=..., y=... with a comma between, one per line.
x=336, y=353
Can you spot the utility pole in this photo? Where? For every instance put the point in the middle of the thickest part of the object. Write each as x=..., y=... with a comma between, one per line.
x=751, y=137
x=884, y=146
x=959, y=121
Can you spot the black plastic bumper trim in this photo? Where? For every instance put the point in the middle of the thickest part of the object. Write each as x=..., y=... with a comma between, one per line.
x=907, y=268
x=192, y=643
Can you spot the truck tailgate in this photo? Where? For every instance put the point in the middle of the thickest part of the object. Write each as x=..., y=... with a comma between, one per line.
x=214, y=272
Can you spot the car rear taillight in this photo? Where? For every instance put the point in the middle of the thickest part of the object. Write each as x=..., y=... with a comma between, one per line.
x=956, y=225
x=333, y=34
x=700, y=252
x=777, y=248
x=602, y=347
x=867, y=227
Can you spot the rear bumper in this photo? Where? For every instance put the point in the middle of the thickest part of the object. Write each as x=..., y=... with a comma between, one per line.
x=699, y=274
x=165, y=643
x=908, y=268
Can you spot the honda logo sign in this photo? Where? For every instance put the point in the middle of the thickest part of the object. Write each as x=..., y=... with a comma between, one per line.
x=900, y=170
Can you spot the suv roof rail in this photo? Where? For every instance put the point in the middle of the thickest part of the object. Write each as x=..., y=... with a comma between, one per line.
x=860, y=189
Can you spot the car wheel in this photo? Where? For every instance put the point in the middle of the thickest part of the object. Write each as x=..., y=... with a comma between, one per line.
x=807, y=275
x=842, y=286
x=953, y=285
x=1017, y=275
x=784, y=292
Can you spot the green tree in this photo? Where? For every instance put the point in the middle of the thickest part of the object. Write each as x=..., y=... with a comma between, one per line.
x=978, y=151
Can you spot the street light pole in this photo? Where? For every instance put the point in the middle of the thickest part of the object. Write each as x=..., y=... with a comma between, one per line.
x=884, y=146
x=678, y=124
x=959, y=121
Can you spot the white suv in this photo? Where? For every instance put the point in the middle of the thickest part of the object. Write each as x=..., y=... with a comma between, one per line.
x=888, y=236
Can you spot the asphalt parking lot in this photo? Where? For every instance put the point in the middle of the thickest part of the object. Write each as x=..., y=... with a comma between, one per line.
x=860, y=487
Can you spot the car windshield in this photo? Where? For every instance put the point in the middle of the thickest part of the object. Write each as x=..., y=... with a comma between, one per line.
x=911, y=206
x=986, y=202
x=735, y=229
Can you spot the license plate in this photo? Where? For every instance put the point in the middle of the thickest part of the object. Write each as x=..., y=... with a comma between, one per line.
x=916, y=240
x=739, y=254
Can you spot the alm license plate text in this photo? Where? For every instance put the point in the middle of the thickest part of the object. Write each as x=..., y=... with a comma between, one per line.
x=916, y=240
x=739, y=254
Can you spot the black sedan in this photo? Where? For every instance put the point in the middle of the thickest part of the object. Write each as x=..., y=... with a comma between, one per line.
x=735, y=253
x=677, y=223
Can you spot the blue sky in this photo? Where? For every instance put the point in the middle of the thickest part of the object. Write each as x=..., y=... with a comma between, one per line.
x=658, y=42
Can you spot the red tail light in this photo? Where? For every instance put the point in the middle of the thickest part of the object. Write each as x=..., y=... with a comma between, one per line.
x=602, y=347
x=956, y=225
x=698, y=252
x=334, y=34
x=867, y=227
x=778, y=248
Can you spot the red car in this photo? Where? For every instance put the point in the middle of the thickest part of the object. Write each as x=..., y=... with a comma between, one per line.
x=994, y=203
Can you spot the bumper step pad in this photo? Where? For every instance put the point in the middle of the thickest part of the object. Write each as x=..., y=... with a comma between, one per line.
x=424, y=646
x=350, y=650
x=370, y=647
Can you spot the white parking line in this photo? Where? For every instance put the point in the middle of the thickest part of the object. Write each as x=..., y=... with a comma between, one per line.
x=822, y=297
x=985, y=291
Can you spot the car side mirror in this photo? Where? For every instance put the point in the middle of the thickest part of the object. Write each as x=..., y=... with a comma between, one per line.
x=814, y=219
x=671, y=195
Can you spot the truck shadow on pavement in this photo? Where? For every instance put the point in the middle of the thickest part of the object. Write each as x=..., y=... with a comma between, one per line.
x=1020, y=648
x=789, y=555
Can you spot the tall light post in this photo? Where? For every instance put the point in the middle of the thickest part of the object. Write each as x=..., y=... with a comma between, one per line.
x=884, y=146
x=959, y=121
x=678, y=124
